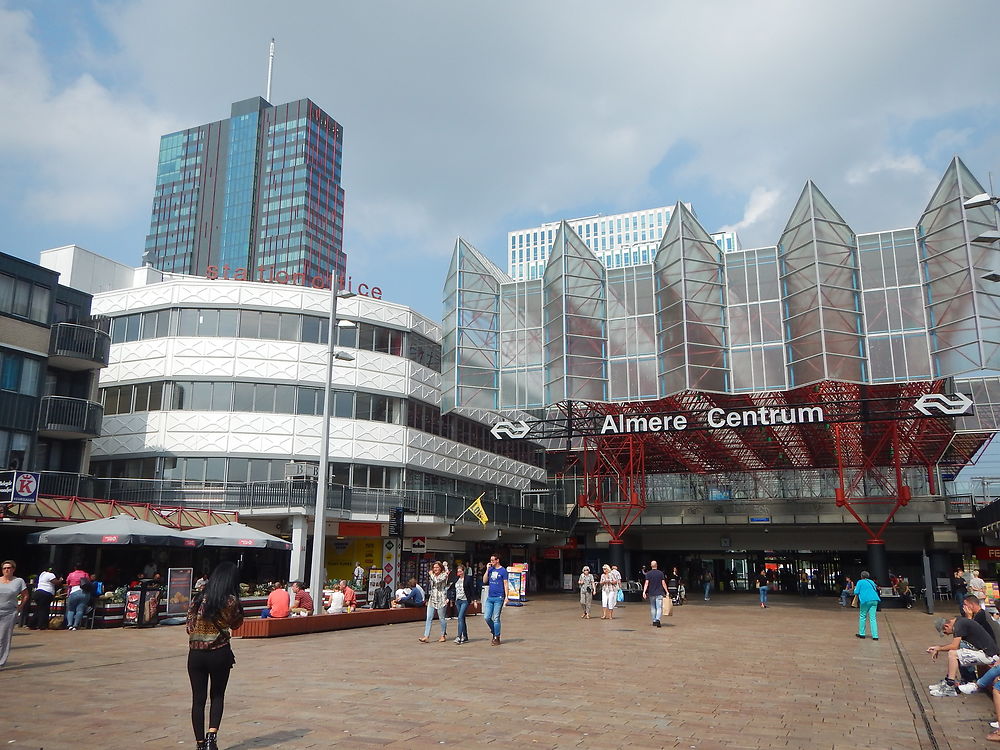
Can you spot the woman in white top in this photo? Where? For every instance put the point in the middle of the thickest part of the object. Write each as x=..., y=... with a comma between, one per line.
x=45, y=591
x=977, y=586
x=609, y=593
x=336, y=601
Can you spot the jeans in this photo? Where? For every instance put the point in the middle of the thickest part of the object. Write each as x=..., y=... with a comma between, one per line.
x=461, y=605
x=708, y=590
x=845, y=596
x=763, y=594
x=76, y=605
x=867, y=609
x=986, y=681
x=494, y=606
x=430, y=618
x=656, y=607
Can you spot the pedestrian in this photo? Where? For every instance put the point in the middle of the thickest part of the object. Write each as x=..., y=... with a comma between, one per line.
x=13, y=599
x=959, y=585
x=977, y=586
x=437, y=600
x=497, y=594
x=359, y=576
x=78, y=584
x=463, y=591
x=762, y=586
x=847, y=592
x=588, y=587
x=211, y=618
x=707, y=579
x=674, y=585
x=654, y=589
x=45, y=591
x=868, y=600
x=609, y=593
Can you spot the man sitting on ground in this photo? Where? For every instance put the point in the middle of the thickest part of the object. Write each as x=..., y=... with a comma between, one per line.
x=303, y=604
x=414, y=599
x=970, y=645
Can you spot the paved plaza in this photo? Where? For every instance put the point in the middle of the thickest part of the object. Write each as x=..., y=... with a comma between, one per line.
x=724, y=674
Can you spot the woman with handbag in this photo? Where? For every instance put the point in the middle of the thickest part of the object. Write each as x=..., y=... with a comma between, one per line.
x=609, y=593
x=868, y=599
x=212, y=616
x=588, y=587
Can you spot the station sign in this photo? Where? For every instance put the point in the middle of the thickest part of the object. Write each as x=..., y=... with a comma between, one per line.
x=933, y=405
x=19, y=487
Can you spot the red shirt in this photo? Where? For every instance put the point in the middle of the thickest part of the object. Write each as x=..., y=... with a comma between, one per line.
x=303, y=600
x=277, y=602
x=73, y=579
x=350, y=598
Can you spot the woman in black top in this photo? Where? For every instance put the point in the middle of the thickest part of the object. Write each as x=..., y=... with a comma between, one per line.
x=762, y=586
x=463, y=591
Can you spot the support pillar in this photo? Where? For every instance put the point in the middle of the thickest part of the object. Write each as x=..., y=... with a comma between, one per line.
x=616, y=551
x=878, y=564
x=297, y=562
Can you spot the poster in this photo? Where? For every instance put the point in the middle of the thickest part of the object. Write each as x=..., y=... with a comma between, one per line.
x=132, y=599
x=390, y=562
x=374, y=583
x=517, y=580
x=179, y=582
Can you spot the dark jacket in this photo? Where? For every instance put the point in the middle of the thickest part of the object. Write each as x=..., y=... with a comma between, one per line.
x=473, y=588
x=382, y=598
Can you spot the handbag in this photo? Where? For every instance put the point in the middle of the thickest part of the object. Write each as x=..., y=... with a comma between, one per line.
x=619, y=597
x=854, y=601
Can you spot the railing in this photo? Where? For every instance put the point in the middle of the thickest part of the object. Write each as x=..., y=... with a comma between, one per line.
x=80, y=342
x=340, y=500
x=64, y=414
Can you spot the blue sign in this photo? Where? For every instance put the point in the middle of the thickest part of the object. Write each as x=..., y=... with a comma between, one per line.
x=760, y=519
x=19, y=487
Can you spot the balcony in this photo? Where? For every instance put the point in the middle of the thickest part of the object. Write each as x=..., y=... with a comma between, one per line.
x=66, y=418
x=73, y=346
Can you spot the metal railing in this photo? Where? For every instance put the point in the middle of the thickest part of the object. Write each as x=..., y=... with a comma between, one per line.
x=341, y=501
x=73, y=415
x=80, y=342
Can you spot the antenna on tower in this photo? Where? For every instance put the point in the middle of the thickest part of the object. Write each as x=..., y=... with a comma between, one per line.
x=270, y=68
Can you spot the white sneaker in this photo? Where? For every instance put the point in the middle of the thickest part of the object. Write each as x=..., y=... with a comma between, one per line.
x=995, y=724
x=969, y=688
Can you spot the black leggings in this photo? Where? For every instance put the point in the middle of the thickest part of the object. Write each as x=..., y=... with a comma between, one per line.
x=202, y=666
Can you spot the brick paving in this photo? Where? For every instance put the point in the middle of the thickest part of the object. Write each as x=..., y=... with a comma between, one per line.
x=724, y=674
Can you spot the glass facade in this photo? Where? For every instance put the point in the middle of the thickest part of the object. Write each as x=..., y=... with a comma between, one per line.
x=259, y=191
x=821, y=304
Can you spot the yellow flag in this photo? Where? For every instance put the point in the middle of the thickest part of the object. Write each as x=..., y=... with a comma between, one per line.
x=478, y=511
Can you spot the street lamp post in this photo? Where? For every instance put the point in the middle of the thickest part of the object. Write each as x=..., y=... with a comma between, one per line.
x=317, y=575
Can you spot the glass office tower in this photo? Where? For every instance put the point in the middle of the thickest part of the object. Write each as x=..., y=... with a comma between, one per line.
x=823, y=303
x=256, y=196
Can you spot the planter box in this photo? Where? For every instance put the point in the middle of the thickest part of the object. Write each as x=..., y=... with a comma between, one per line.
x=362, y=618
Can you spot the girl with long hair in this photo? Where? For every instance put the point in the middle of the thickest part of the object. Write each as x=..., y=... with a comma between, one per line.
x=212, y=616
x=437, y=600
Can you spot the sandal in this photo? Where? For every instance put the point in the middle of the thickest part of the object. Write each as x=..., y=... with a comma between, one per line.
x=994, y=737
x=442, y=639
x=422, y=640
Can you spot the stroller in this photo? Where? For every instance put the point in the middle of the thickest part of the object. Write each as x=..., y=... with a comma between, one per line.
x=677, y=595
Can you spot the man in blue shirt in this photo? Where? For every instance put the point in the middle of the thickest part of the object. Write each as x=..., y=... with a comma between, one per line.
x=495, y=578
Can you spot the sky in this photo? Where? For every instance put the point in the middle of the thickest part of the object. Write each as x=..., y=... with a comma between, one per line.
x=474, y=119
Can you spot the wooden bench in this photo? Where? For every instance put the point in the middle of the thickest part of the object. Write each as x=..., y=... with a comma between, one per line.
x=271, y=627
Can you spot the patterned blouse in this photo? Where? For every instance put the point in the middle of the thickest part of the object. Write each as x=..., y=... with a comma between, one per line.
x=437, y=596
x=587, y=582
x=205, y=635
x=609, y=582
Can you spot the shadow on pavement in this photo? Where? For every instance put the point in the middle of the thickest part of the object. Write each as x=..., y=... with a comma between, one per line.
x=269, y=740
x=36, y=665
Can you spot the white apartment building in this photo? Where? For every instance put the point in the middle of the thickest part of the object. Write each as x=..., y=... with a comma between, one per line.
x=618, y=240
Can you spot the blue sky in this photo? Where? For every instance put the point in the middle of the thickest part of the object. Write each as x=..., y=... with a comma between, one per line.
x=475, y=119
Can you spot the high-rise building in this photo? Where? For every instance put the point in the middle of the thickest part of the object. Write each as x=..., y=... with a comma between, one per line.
x=255, y=196
x=618, y=240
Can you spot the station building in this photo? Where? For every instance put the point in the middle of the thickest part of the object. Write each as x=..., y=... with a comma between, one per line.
x=826, y=316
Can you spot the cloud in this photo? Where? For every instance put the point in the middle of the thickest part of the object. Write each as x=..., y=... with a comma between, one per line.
x=475, y=119
x=77, y=153
x=759, y=205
